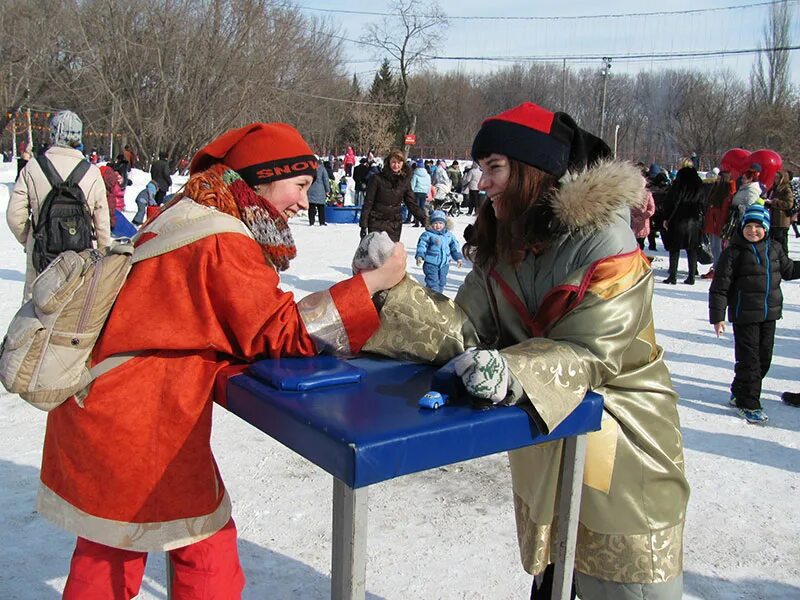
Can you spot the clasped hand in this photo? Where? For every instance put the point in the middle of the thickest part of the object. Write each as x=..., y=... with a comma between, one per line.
x=484, y=373
x=381, y=262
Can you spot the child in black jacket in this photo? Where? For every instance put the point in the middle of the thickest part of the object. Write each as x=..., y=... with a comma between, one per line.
x=747, y=281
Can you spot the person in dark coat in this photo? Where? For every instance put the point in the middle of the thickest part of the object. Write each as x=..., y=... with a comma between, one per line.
x=317, y=195
x=386, y=193
x=123, y=167
x=658, y=185
x=747, y=281
x=683, y=214
x=162, y=175
x=779, y=203
x=360, y=181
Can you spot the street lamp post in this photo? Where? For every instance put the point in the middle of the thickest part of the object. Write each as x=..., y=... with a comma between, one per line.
x=604, y=72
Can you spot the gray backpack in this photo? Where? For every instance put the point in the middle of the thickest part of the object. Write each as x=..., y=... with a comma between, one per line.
x=46, y=352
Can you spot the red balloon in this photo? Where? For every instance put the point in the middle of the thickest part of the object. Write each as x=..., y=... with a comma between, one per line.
x=738, y=160
x=734, y=162
x=770, y=162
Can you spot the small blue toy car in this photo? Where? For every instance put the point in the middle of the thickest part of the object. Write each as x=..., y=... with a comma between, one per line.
x=433, y=400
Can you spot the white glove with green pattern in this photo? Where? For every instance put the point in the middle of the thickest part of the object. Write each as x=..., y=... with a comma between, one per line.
x=484, y=373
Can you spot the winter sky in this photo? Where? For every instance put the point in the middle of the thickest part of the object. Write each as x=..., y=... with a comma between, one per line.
x=656, y=29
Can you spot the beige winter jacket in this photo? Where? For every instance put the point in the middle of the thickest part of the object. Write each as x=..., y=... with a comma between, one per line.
x=32, y=188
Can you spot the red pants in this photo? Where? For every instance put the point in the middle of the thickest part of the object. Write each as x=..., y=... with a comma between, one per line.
x=206, y=570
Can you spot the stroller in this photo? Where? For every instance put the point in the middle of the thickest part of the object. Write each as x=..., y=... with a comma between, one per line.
x=450, y=205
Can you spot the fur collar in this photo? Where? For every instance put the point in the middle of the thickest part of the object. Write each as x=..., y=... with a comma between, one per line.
x=588, y=200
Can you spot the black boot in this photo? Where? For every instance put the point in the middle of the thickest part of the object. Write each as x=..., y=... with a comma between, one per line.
x=544, y=590
x=791, y=398
x=689, y=280
x=672, y=279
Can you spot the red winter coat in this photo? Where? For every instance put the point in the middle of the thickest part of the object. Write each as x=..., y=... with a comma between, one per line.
x=349, y=157
x=115, y=195
x=134, y=469
x=716, y=216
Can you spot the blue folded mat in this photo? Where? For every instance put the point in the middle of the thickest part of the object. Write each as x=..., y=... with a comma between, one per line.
x=302, y=374
x=122, y=227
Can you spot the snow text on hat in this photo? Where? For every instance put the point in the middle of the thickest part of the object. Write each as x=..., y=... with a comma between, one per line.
x=259, y=153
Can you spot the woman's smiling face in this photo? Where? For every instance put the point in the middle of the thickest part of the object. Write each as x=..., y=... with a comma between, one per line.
x=287, y=195
x=496, y=171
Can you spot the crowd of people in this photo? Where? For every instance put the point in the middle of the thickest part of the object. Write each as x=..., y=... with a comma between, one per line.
x=559, y=281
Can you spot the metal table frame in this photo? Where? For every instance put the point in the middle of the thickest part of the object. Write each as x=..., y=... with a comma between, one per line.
x=292, y=420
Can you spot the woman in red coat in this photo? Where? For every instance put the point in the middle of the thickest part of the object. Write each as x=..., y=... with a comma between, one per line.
x=349, y=161
x=130, y=470
x=716, y=214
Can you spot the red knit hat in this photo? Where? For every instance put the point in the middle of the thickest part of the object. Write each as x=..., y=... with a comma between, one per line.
x=259, y=153
x=549, y=141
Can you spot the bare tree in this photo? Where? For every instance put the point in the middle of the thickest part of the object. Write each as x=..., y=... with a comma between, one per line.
x=173, y=75
x=770, y=74
x=31, y=51
x=706, y=116
x=408, y=39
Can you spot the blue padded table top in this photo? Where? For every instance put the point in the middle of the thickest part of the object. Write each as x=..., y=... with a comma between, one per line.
x=371, y=431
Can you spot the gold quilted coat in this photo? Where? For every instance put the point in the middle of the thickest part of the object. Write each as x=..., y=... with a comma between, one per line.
x=577, y=317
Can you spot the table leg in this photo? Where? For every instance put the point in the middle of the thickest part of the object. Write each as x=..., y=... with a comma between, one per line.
x=349, y=556
x=569, y=508
x=170, y=575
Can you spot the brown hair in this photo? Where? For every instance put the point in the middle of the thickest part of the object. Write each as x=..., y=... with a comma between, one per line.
x=527, y=198
x=720, y=190
x=398, y=154
x=395, y=179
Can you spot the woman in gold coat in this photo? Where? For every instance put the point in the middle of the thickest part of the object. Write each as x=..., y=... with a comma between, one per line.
x=559, y=302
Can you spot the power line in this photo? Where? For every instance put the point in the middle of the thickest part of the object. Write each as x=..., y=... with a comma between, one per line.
x=656, y=56
x=553, y=18
x=345, y=100
x=620, y=57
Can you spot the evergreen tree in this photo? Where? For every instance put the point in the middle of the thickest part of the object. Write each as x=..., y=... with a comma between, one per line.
x=386, y=90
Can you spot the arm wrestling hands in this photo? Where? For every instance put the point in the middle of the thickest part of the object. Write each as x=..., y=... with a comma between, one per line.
x=381, y=262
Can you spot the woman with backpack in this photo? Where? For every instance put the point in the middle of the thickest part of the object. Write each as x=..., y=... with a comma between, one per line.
x=33, y=186
x=129, y=468
x=718, y=206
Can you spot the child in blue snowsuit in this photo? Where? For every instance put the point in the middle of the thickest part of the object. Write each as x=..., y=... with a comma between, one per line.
x=435, y=249
x=145, y=198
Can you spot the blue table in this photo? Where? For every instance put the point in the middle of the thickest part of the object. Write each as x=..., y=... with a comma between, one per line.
x=372, y=431
x=342, y=214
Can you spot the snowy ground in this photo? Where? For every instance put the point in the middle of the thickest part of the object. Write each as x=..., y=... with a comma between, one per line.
x=449, y=533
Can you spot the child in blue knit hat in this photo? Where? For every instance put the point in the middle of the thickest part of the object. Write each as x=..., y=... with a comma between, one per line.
x=747, y=282
x=435, y=249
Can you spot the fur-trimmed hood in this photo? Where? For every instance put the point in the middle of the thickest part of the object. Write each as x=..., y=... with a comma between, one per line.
x=589, y=200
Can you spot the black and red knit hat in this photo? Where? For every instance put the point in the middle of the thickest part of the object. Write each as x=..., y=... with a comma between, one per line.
x=259, y=153
x=549, y=141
